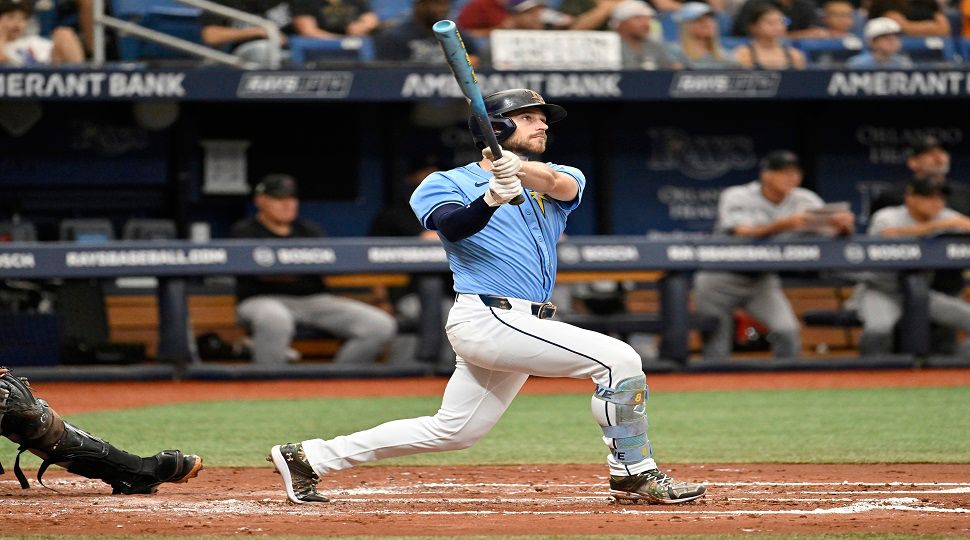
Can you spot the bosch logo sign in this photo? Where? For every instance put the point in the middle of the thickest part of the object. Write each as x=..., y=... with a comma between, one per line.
x=854, y=253
x=264, y=256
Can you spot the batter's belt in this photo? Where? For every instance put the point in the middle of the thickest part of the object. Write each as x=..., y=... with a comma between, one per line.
x=545, y=310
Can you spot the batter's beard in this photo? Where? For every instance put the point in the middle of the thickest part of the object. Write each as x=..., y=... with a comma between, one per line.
x=530, y=148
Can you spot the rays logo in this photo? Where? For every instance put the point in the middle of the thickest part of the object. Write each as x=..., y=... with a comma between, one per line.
x=700, y=157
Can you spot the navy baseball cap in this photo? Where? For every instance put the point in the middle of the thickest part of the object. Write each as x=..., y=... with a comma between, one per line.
x=923, y=144
x=927, y=187
x=777, y=160
x=278, y=186
x=26, y=6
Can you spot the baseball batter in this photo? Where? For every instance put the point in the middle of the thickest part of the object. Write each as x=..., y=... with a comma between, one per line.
x=504, y=262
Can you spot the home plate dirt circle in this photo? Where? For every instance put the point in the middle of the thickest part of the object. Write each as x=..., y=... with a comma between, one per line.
x=508, y=500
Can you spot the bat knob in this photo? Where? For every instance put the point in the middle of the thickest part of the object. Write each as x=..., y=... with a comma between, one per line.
x=517, y=200
x=443, y=27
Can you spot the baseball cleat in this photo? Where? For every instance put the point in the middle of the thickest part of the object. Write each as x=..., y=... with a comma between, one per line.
x=299, y=479
x=654, y=487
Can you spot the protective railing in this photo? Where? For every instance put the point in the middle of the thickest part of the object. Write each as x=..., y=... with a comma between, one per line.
x=102, y=20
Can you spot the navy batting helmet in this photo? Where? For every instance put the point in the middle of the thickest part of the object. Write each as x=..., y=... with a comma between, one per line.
x=501, y=103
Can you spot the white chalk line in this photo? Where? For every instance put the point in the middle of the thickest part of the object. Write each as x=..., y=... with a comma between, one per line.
x=346, y=500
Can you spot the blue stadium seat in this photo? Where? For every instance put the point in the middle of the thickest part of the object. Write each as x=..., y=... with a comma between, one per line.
x=732, y=42
x=126, y=9
x=182, y=23
x=724, y=22
x=965, y=49
x=671, y=28
x=167, y=16
x=956, y=22
x=859, y=22
x=305, y=49
x=391, y=10
x=46, y=15
x=928, y=50
x=828, y=52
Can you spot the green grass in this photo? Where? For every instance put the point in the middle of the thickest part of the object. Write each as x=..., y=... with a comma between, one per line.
x=797, y=426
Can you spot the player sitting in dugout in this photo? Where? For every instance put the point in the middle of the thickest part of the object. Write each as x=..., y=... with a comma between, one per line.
x=36, y=427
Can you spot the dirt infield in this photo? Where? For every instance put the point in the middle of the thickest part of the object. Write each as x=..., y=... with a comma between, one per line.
x=498, y=500
x=458, y=501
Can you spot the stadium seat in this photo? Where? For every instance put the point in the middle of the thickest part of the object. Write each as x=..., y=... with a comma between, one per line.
x=391, y=10
x=828, y=52
x=956, y=22
x=724, y=22
x=87, y=231
x=965, y=49
x=732, y=42
x=45, y=13
x=126, y=9
x=928, y=50
x=178, y=22
x=21, y=231
x=670, y=27
x=166, y=16
x=149, y=229
x=353, y=49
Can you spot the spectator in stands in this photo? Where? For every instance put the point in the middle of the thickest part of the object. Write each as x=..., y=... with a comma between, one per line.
x=479, y=17
x=838, y=18
x=915, y=17
x=525, y=15
x=272, y=306
x=589, y=14
x=924, y=213
x=17, y=48
x=632, y=20
x=412, y=40
x=333, y=18
x=882, y=36
x=774, y=205
x=767, y=49
x=247, y=42
x=965, y=18
x=799, y=16
x=699, y=46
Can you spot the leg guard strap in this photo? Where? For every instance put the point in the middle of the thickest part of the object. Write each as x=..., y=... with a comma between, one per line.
x=631, y=428
x=619, y=396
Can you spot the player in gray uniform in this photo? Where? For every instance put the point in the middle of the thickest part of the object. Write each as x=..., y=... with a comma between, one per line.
x=771, y=206
x=923, y=213
x=503, y=258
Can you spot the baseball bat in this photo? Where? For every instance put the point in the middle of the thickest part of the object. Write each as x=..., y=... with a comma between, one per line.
x=461, y=66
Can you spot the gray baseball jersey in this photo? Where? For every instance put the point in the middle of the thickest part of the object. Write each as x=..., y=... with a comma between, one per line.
x=746, y=205
x=890, y=217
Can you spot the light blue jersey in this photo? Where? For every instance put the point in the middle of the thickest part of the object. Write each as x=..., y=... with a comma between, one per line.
x=515, y=254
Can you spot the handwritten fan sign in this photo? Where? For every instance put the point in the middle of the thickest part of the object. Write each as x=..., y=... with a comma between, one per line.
x=555, y=50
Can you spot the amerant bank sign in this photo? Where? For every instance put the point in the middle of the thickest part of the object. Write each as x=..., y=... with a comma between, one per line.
x=550, y=85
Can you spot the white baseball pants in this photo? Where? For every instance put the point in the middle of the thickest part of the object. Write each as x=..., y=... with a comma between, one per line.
x=496, y=351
